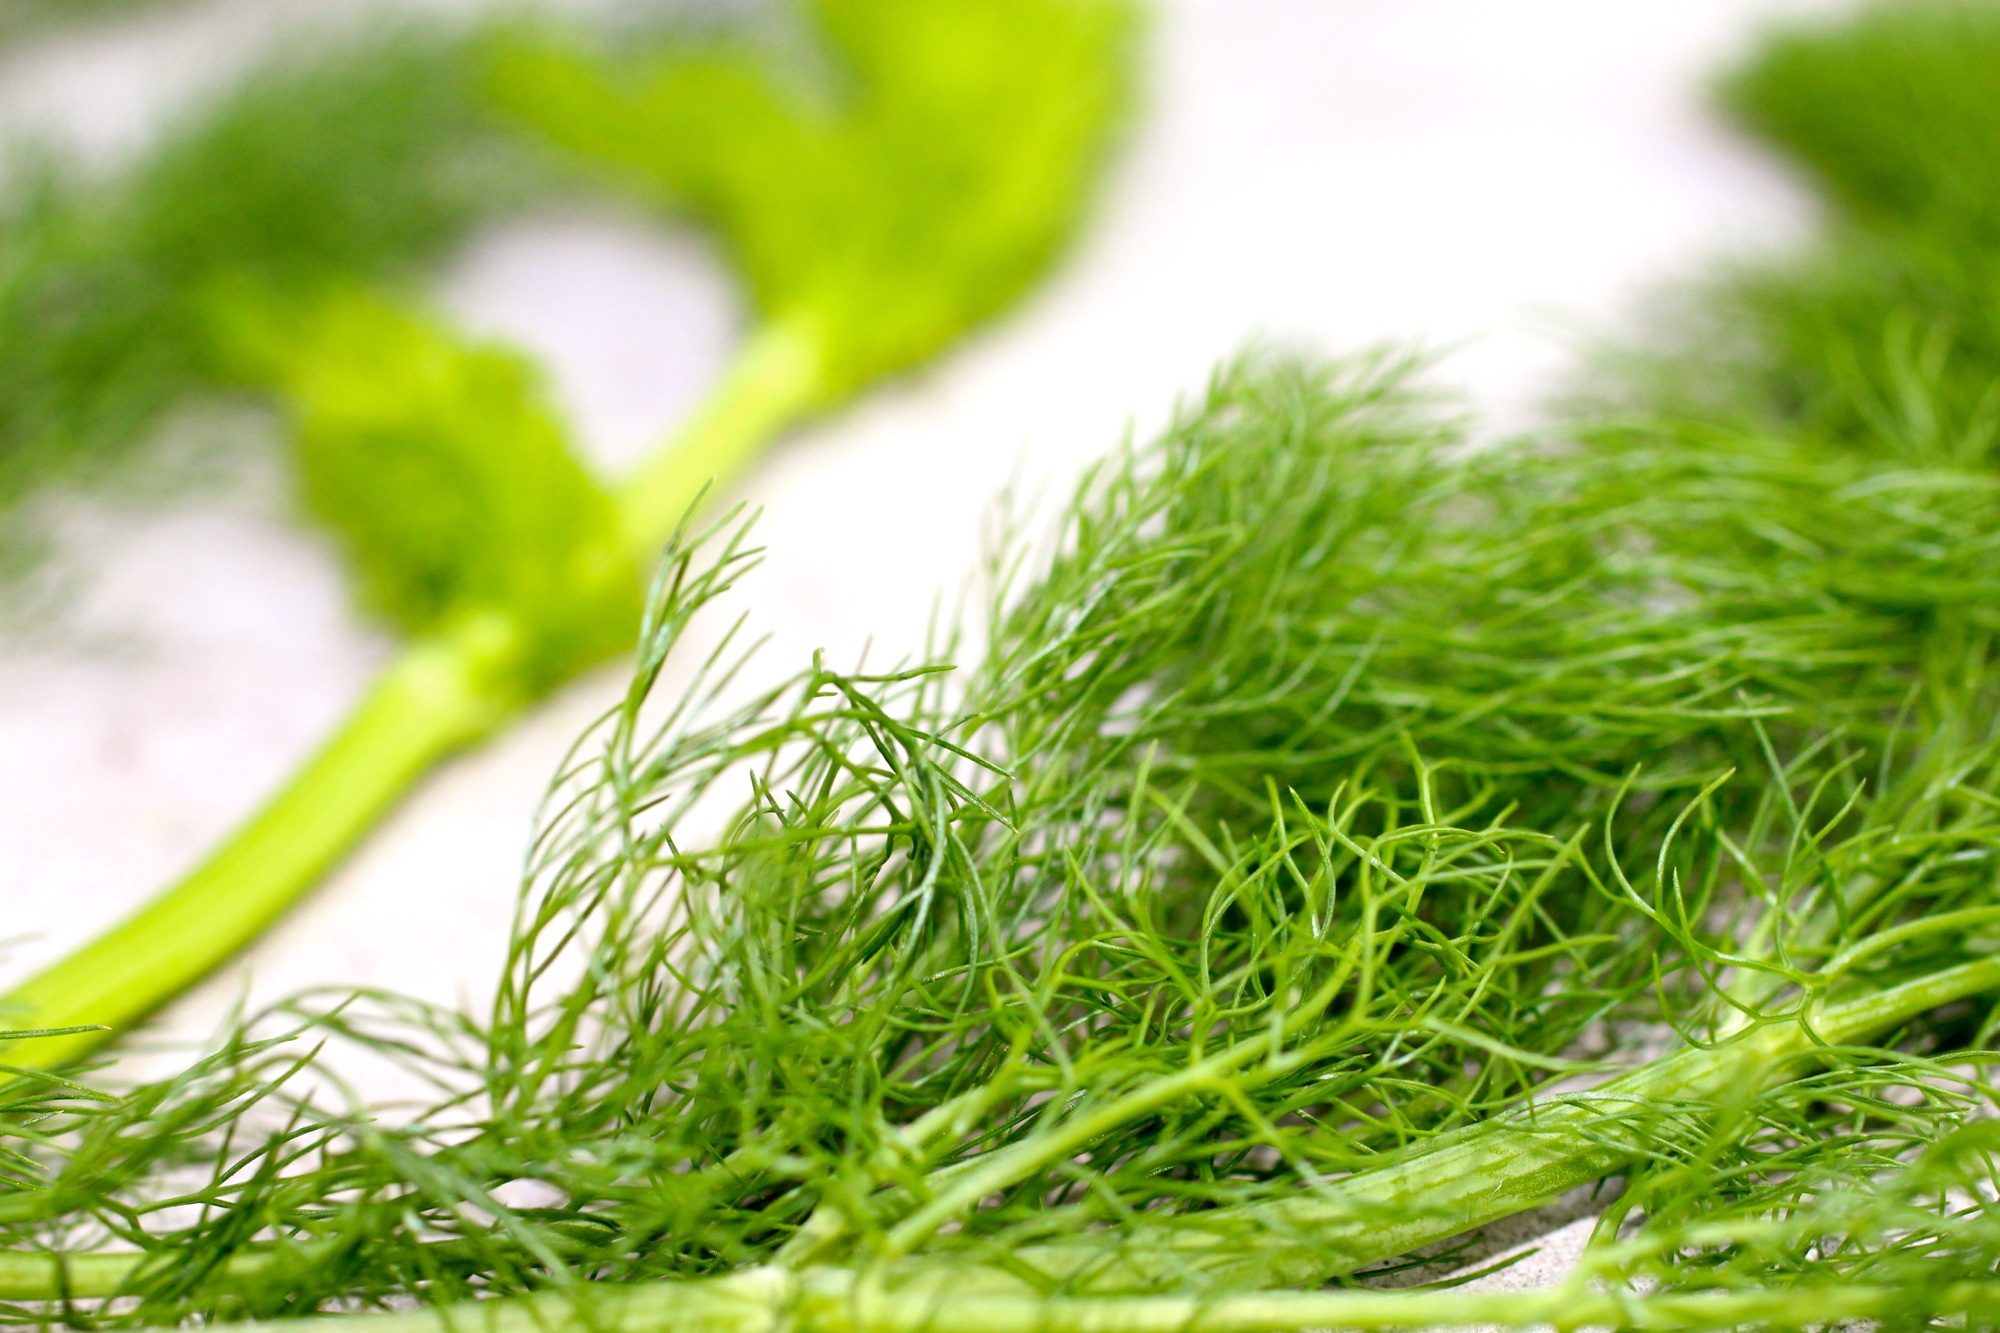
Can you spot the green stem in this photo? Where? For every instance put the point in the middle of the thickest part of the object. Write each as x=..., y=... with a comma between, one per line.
x=1565, y=1307
x=763, y=1300
x=1473, y=1177
x=439, y=696
x=28, y=1276
x=774, y=381
x=431, y=701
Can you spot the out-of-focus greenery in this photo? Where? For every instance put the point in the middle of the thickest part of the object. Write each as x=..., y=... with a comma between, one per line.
x=875, y=215
x=927, y=187
x=1897, y=116
x=1885, y=333
x=921, y=192
x=359, y=161
x=450, y=480
x=20, y=18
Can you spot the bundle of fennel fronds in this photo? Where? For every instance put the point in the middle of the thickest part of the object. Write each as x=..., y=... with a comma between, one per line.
x=1323, y=822
x=1345, y=841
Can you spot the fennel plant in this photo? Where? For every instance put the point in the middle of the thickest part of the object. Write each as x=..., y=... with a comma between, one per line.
x=1346, y=841
x=873, y=228
x=1335, y=823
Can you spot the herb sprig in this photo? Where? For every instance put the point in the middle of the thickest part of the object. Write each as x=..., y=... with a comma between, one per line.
x=942, y=181
x=1346, y=841
x=1018, y=986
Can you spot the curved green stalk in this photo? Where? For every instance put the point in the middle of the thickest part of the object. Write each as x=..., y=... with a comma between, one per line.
x=773, y=382
x=870, y=238
x=433, y=699
x=441, y=695
x=823, y=1301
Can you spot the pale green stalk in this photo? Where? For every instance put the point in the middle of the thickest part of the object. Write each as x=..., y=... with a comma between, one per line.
x=773, y=381
x=773, y=1300
x=86, y=1277
x=441, y=695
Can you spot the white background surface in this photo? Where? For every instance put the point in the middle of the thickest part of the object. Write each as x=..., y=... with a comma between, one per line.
x=1485, y=174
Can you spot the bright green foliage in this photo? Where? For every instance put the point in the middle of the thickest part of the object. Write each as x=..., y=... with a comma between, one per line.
x=1331, y=804
x=1893, y=112
x=968, y=140
x=1886, y=333
x=445, y=472
x=1328, y=798
x=921, y=192
x=361, y=161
